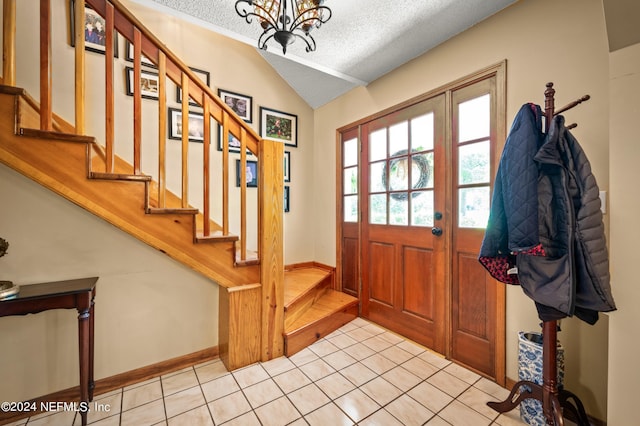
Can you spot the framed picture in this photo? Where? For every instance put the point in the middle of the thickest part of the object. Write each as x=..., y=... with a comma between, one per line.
x=287, y=199
x=148, y=83
x=94, y=30
x=287, y=166
x=234, y=143
x=204, y=76
x=144, y=61
x=240, y=104
x=196, y=125
x=279, y=126
x=251, y=172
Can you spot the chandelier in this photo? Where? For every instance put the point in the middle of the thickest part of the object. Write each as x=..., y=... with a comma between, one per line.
x=285, y=20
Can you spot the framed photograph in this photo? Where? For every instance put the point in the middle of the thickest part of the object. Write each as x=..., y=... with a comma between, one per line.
x=234, y=143
x=196, y=125
x=287, y=199
x=279, y=126
x=204, y=76
x=251, y=172
x=148, y=83
x=144, y=61
x=94, y=30
x=240, y=104
x=287, y=166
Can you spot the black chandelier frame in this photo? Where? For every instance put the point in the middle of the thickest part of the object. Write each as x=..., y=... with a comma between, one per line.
x=282, y=28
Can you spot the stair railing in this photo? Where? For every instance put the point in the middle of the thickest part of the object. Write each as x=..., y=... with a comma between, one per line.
x=270, y=154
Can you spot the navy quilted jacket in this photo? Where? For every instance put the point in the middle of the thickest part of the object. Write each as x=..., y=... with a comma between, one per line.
x=545, y=230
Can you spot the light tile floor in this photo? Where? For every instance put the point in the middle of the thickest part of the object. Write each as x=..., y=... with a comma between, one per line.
x=360, y=374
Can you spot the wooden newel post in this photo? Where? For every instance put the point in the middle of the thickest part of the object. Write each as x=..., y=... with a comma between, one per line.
x=271, y=246
x=9, y=42
x=46, y=113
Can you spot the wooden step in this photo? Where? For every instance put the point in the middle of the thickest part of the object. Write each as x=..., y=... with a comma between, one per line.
x=330, y=312
x=119, y=176
x=312, y=308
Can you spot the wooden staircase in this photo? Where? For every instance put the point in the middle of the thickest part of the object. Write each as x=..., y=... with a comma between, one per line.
x=312, y=308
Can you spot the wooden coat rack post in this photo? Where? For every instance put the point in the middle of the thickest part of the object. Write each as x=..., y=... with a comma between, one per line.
x=553, y=400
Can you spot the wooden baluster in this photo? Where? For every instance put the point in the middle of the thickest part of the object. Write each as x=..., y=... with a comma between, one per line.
x=80, y=80
x=243, y=194
x=225, y=173
x=206, y=229
x=162, y=129
x=109, y=101
x=137, y=101
x=185, y=140
x=9, y=42
x=45, y=65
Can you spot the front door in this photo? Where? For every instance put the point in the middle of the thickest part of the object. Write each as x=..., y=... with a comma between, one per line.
x=416, y=186
x=402, y=259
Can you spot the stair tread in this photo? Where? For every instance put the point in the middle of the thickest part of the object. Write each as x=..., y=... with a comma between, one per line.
x=301, y=280
x=330, y=302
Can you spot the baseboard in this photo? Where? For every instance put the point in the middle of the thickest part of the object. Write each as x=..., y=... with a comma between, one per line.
x=120, y=380
x=592, y=420
x=311, y=264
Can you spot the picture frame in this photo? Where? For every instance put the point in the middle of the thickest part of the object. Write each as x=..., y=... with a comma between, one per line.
x=240, y=104
x=196, y=125
x=279, y=126
x=94, y=24
x=128, y=56
x=205, y=76
x=287, y=199
x=149, y=82
x=234, y=143
x=287, y=166
x=251, y=171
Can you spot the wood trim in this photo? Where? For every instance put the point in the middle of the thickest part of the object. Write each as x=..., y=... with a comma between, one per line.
x=121, y=380
x=9, y=44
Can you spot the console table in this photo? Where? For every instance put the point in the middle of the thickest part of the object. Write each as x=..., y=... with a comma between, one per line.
x=69, y=294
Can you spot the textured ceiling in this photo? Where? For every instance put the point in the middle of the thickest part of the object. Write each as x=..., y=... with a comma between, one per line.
x=363, y=40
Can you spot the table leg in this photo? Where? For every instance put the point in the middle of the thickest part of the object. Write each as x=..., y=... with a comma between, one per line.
x=91, y=352
x=83, y=337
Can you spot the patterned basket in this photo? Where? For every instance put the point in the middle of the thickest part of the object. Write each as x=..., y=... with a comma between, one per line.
x=530, y=368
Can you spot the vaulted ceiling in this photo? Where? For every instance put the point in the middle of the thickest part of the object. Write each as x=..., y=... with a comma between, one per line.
x=363, y=40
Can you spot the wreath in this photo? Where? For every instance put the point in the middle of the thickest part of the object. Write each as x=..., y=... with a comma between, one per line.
x=423, y=168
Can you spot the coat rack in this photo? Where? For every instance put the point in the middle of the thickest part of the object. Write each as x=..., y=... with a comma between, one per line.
x=553, y=400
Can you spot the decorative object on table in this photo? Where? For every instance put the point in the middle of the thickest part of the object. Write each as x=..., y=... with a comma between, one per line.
x=7, y=289
x=285, y=20
x=240, y=104
x=279, y=126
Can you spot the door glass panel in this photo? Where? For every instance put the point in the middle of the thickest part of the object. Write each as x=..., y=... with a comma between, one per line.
x=399, y=174
x=351, y=208
x=377, y=177
x=350, y=149
x=351, y=180
x=378, y=145
x=422, y=171
x=422, y=208
x=398, y=208
x=474, y=163
x=399, y=139
x=473, y=207
x=422, y=133
x=378, y=209
x=474, y=118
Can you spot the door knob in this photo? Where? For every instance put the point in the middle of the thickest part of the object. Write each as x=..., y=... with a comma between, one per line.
x=437, y=231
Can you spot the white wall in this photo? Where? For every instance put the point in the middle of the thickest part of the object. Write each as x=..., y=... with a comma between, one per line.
x=624, y=374
x=542, y=40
